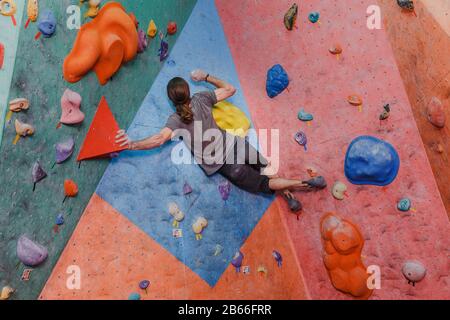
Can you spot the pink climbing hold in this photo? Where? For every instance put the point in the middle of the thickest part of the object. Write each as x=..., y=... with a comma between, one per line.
x=436, y=113
x=70, y=106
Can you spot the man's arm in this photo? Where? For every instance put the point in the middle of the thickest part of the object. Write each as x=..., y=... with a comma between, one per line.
x=224, y=89
x=147, y=144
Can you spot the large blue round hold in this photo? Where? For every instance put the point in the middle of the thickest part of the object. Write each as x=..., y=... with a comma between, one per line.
x=277, y=81
x=371, y=161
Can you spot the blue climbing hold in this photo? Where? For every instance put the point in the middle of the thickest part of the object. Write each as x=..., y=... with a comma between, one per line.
x=277, y=81
x=60, y=220
x=371, y=161
x=47, y=23
x=404, y=205
x=314, y=17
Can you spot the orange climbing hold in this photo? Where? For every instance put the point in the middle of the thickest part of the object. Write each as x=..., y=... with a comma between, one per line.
x=70, y=188
x=102, y=45
x=100, y=140
x=343, y=244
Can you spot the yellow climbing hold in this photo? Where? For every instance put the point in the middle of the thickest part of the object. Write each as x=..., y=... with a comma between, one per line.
x=8, y=8
x=6, y=293
x=93, y=8
x=152, y=29
x=231, y=119
x=32, y=10
x=199, y=225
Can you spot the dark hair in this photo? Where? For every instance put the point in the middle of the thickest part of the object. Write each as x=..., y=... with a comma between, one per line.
x=180, y=94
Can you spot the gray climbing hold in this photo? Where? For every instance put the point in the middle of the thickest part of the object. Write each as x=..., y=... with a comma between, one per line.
x=414, y=271
x=30, y=253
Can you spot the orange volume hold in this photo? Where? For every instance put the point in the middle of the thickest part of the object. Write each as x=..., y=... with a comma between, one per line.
x=102, y=45
x=343, y=244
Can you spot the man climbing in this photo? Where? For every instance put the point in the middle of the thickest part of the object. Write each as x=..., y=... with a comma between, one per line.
x=193, y=118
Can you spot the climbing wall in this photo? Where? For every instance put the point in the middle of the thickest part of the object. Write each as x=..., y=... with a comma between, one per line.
x=9, y=40
x=125, y=235
x=321, y=83
x=38, y=77
x=425, y=69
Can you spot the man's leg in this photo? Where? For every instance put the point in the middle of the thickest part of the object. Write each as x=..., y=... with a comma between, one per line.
x=281, y=184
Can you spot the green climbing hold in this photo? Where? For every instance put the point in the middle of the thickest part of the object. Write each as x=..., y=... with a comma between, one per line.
x=304, y=116
x=134, y=296
x=404, y=205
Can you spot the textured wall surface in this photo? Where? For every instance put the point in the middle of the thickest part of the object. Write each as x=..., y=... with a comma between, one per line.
x=140, y=186
x=321, y=83
x=117, y=244
x=421, y=47
x=38, y=77
x=9, y=36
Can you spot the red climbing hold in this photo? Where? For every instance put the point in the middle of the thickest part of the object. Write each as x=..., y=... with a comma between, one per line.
x=100, y=140
x=2, y=54
x=172, y=28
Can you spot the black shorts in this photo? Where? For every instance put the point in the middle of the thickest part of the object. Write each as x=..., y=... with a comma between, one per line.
x=246, y=174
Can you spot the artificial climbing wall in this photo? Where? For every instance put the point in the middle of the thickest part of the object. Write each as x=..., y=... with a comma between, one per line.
x=37, y=76
x=125, y=237
x=421, y=44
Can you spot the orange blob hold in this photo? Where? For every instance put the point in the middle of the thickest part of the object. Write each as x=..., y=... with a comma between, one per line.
x=102, y=45
x=70, y=188
x=355, y=100
x=135, y=21
x=343, y=244
x=172, y=28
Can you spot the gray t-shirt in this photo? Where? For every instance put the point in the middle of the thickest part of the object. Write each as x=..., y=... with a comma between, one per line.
x=209, y=144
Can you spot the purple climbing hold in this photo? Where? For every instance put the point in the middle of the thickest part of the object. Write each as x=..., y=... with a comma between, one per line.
x=144, y=284
x=163, y=50
x=301, y=139
x=225, y=190
x=30, y=253
x=64, y=150
x=187, y=189
x=237, y=261
x=278, y=258
x=142, y=41
x=38, y=174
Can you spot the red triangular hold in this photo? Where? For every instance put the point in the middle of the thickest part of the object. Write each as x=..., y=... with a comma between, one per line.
x=100, y=140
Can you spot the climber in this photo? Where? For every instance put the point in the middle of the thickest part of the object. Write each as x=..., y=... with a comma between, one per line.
x=193, y=117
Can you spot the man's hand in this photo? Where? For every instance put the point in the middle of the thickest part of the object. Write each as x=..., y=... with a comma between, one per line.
x=198, y=75
x=122, y=139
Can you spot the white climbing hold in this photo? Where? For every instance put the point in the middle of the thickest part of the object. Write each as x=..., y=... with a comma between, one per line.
x=199, y=225
x=339, y=190
x=414, y=271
